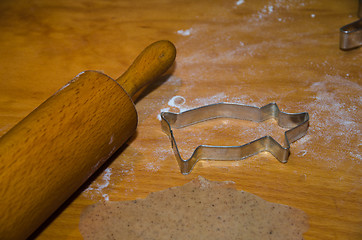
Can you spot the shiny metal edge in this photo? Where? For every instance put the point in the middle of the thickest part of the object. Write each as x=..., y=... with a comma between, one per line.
x=297, y=123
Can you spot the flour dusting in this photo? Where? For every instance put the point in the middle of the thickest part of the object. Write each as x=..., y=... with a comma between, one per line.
x=218, y=97
x=167, y=109
x=175, y=103
x=186, y=32
x=158, y=154
x=98, y=186
x=240, y=2
x=334, y=119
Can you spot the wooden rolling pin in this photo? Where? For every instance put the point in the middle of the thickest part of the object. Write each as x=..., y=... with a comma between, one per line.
x=48, y=155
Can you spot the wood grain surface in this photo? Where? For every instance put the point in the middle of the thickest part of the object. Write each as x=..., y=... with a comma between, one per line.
x=248, y=52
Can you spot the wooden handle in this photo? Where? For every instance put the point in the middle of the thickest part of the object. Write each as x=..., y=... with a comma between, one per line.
x=150, y=64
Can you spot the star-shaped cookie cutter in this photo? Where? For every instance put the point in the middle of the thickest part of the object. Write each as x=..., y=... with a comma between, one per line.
x=296, y=122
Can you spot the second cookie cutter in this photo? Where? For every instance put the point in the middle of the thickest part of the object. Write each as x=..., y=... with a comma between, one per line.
x=296, y=122
x=350, y=36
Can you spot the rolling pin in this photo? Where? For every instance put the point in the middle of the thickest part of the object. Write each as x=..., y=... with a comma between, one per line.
x=49, y=154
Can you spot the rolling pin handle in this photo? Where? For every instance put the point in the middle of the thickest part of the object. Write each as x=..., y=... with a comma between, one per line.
x=150, y=64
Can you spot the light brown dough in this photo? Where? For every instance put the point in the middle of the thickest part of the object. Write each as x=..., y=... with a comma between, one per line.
x=200, y=209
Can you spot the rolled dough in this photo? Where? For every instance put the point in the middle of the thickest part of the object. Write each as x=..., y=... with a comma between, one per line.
x=201, y=209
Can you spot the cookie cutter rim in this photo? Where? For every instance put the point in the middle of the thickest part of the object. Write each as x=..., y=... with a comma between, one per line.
x=297, y=122
x=350, y=35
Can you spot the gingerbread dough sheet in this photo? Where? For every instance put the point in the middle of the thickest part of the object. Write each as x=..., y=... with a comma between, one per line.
x=201, y=209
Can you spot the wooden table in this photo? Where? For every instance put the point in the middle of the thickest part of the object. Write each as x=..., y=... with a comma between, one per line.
x=248, y=52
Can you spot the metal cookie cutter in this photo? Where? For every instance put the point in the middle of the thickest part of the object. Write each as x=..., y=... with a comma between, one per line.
x=296, y=122
x=351, y=34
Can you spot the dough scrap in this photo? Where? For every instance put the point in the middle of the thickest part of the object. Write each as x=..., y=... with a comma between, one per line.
x=200, y=209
